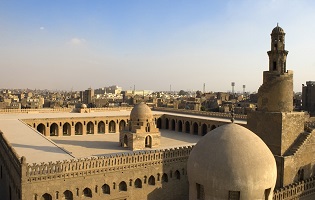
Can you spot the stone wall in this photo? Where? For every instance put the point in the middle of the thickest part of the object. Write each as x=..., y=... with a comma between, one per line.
x=162, y=174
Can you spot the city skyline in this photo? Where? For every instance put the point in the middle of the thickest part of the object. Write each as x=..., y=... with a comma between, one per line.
x=60, y=45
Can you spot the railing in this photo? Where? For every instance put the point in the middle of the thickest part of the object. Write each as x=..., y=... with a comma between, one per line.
x=296, y=190
x=203, y=113
x=95, y=165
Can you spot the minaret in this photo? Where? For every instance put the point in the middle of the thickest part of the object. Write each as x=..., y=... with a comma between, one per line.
x=276, y=92
x=278, y=54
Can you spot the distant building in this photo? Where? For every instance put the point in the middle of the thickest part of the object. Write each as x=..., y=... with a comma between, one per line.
x=308, y=97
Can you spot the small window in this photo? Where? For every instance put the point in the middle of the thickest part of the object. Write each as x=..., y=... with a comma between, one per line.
x=274, y=66
x=234, y=195
x=200, y=192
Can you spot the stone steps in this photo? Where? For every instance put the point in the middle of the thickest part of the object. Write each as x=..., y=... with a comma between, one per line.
x=297, y=144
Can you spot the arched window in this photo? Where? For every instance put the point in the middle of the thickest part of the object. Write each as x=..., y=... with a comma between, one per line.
x=177, y=174
x=164, y=178
x=138, y=183
x=122, y=186
x=148, y=141
x=151, y=180
x=195, y=126
x=106, y=189
x=67, y=195
x=87, y=192
x=46, y=196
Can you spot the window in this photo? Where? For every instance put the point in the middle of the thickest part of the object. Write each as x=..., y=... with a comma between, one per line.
x=106, y=189
x=234, y=195
x=200, y=192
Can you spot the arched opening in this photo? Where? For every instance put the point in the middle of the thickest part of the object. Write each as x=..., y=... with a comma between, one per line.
x=122, y=186
x=112, y=127
x=106, y=189
x=204, y=129
x=151, y=180
x=67, y=195
x=101, y=127
x=164, y=178
x=87, y=192
x=195, y=128
x=125, y=141
x=78, y=128
x=122, y=125
x=41, y=128
x=90, y=128
x=166, y=124
x=173, y=125
x=66, y=129
x=148, y=141
x=159, y=123
x=180, y=126
x=138, y=183
x=147, y=128
x=187, y=127
x=177, y=174
x=46, y=196
x=54, y=129
x=213, y=127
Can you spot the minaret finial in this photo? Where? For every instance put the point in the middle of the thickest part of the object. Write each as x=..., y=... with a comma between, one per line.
x=277, y=24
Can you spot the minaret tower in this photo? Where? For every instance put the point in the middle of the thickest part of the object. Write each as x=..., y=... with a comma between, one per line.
x=274, y=121
x=278, y=54
x=276, y=92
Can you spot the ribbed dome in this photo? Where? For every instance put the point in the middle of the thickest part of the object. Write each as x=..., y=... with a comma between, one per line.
x=277, y=30
x=141, y=112
x=232, y=158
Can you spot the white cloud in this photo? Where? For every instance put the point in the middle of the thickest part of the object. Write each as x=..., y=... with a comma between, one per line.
x=77, y=41
x=42, y=28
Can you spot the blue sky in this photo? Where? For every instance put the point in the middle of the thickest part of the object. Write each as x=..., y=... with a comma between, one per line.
x=64, y=44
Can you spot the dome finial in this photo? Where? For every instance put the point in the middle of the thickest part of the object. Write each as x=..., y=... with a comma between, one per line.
x=277, y=24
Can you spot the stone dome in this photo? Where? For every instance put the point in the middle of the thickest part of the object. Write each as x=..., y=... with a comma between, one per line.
x=231, y=158
x=141, y=112
x=277, y=30
x=83, y=106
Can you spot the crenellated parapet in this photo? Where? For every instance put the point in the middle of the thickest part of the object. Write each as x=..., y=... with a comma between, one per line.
x=98, y=165
x=297, y=190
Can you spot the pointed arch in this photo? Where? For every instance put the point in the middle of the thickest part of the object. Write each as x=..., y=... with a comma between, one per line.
x=66, y=129
x=164, y=178
x=180, y=126
x=148, y=141
x=106, y=189
x=54, y=129
x=78, y=128
x=41, y=128
x=87, y=192
x=138, y=183
x=173, y=124
x=122, y=186
x=166, y=123
x=112, y=127
x=159, y=123
x=46, y=196
x=67, y=195
x=151, y=180
x=187, y=127
x=90, y=128
x=122, y=125
x=125, y=144
x=101, y=127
